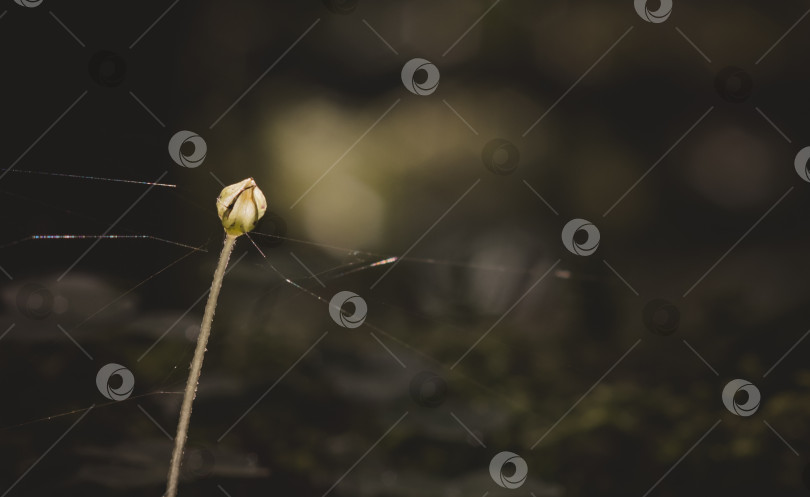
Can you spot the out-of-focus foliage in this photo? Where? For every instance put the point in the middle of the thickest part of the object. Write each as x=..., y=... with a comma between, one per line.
x=545, y=370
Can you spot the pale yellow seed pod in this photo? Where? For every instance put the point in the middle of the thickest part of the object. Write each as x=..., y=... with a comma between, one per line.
x=240, y=206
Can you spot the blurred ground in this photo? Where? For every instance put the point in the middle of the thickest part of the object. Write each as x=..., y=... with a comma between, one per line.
x=567, y=374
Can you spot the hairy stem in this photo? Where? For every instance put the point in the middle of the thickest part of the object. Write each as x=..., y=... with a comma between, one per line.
x=196, y=366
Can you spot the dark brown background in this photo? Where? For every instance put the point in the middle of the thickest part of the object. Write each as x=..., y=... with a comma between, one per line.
x=298, y=119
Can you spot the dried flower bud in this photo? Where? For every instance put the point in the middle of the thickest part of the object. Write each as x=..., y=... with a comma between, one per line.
x=240, y=206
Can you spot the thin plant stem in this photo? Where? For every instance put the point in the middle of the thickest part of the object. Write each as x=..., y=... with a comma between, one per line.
x=196, y=366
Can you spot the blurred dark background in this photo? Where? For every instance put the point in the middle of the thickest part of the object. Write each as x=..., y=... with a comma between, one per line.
x=568, y=374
